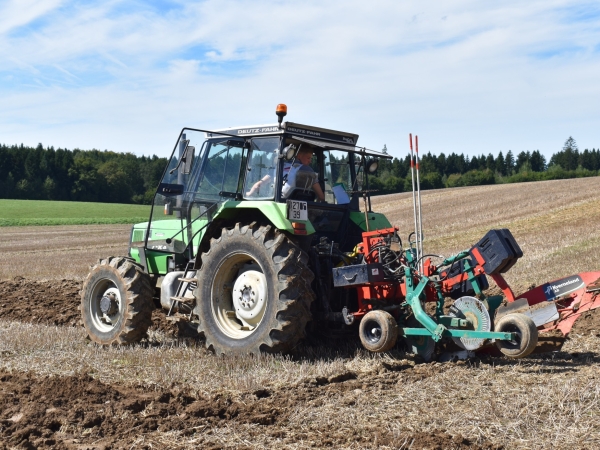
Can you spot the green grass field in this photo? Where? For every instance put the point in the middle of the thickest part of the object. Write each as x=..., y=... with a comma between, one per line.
x=42, y=212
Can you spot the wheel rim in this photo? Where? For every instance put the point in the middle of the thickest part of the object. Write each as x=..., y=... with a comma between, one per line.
x=372, y=331
x=516, y=342
x=239, y=296
x=105, y=305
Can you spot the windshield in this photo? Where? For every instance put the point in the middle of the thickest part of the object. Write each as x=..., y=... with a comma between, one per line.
x=221, y=171
x=200, y=175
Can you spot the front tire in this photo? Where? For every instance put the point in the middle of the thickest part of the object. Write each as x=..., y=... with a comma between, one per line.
x=253, y=292
x=116, y=302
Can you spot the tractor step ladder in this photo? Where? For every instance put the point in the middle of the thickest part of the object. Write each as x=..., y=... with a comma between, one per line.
x=187, y=282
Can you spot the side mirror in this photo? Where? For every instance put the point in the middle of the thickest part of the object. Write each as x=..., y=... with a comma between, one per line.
x=289, y=152
x=188, y=159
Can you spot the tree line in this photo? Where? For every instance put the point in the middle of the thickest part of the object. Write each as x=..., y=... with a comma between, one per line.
x=454, y=170
x=38, y=173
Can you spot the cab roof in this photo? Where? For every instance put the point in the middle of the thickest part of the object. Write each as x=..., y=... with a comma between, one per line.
x=320, y=137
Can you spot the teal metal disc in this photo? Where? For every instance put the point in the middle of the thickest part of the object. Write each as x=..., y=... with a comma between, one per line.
x=422, y=346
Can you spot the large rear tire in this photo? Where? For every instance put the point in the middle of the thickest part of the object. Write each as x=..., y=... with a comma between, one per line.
x=116, y=301
x=253, y=292
x=526, y=335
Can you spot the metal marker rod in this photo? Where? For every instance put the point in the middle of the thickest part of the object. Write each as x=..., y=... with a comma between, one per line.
x=420, y=206
x=412, y=176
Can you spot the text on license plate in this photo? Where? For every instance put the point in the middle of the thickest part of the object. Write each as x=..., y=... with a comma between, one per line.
x=297, y=210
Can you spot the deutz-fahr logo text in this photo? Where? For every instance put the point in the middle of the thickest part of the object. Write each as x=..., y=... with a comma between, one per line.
x=258, y=130
x=303, y=131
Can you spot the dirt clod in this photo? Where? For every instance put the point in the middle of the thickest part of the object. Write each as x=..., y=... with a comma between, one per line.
x=588, y=323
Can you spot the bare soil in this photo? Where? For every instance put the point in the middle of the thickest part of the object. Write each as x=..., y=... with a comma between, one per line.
x=588, y=323
x=81, y=412
x=47, y=302
x=57, y=391
x=53, y=303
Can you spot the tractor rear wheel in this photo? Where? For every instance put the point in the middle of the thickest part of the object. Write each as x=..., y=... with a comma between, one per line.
x=116, y=301
x=378, y=331
x=526, y=335
x=253, y=292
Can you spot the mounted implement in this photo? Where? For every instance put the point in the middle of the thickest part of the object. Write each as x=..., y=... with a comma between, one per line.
x=255, y=231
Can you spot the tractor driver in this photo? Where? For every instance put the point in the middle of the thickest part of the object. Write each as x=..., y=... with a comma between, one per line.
x=290, y=173
x=302, y=167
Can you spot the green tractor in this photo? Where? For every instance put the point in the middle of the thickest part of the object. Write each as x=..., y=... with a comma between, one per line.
x=239, y=263
x=255, y=231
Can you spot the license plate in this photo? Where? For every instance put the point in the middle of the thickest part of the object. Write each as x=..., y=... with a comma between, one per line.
x=297, y=210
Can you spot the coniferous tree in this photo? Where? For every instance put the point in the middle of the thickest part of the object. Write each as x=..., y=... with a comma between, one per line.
x=500, y=164
x=523, y=158
x=490, y=162
x=509, y=162
x=568, y=158
x=538, y=161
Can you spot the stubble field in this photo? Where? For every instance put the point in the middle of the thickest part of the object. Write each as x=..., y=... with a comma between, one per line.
x=57, y=390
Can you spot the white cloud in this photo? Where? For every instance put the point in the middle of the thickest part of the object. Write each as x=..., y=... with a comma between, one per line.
x=16, y=13
x=465, y=76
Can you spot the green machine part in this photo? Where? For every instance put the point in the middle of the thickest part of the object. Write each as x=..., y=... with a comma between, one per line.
x=168, y=238
x=414, y=297
x=376, y=220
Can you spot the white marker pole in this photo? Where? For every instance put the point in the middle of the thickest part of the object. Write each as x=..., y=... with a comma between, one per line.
x=420, y=206
x=412, y=176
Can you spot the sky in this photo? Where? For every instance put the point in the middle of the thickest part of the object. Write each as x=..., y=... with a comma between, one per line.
x=473, y=77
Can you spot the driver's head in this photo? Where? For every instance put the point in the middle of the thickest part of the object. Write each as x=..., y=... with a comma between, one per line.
x=305, y=155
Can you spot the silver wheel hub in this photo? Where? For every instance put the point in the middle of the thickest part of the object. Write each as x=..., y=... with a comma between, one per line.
x=108, y=304
x=249, y=295
x=105, y=308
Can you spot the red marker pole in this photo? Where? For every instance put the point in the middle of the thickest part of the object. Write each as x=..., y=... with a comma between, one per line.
x=412, y=176
x=420, y=206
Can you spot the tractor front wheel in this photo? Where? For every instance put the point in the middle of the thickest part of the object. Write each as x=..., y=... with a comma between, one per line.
x=253, y=291
x=526, y=335
x=116, y=302
x=378, y=331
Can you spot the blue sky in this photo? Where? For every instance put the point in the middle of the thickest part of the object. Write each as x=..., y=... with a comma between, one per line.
x=466, y=76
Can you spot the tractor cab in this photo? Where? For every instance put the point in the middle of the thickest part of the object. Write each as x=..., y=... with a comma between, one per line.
x=259, y=173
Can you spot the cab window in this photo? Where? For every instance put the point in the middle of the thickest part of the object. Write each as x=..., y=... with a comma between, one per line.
x=337, y=176
x=262, y=163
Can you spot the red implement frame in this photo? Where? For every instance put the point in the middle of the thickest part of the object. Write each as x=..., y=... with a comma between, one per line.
x=570, y=305
x=394, y=292
x=386, y=291
x=584, y=296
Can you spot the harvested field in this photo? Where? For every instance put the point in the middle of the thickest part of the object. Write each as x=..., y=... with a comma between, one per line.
x=58, y=252
x=57, y=390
